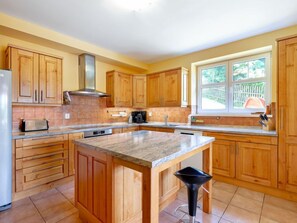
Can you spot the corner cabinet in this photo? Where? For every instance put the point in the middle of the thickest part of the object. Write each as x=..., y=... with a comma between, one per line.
x=168, y=88
x=287, y=113
x=119, y=86
x=36, y=78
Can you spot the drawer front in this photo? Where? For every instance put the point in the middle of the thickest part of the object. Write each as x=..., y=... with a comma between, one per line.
x=40, y=150
x=41, y=140
x=38, y=175
x=41, y=159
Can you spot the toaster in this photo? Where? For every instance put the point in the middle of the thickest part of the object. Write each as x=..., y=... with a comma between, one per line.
x=29, y=125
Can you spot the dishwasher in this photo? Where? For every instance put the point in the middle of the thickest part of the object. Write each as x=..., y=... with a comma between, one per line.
x=196, y=160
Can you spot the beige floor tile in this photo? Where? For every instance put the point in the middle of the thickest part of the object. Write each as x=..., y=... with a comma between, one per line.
x=205, y=218
x=278, y=202
x=66, y=186
x=170, y=209
x=222, y=220
x=69, y=194
x=278, y=214
x=53, y=206
x=183, y=194
x=74, y=218
x=226, y=187
x=164, y=217
x=267, y=220
x=247, y=204
x=258, y=196
x=218, y=207
x=222, y=195
x=238, y=215
x=22, y=211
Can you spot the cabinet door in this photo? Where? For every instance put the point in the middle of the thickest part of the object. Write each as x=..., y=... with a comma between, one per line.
x=172, y=88
x=50, y=80
x=223, y=158
x=139, y=91
x=123, y=89
x=257, y=163
x=154, y=89
x=71, y=153
x=110, y=89
x=287, y=93
x=24, y=66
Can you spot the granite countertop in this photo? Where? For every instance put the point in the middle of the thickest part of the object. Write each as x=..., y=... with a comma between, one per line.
x=184, y=126
x=146, y=148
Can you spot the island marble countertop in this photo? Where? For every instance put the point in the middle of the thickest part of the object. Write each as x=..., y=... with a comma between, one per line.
x=146, y=148
x=212, y=128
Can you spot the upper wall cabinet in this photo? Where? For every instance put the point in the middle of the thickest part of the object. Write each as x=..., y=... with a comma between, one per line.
x=36, y=78
x=119, y=86
x=139, y=91
x=168, y=88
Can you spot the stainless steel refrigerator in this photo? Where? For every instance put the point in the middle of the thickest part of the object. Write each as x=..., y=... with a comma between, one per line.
x=5, y=140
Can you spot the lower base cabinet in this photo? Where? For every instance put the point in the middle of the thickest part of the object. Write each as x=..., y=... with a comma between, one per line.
x=244, y=157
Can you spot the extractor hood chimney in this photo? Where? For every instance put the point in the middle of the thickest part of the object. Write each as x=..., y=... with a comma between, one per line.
x=87, y=77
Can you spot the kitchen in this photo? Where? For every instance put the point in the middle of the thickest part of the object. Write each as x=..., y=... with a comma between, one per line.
x=253, y=168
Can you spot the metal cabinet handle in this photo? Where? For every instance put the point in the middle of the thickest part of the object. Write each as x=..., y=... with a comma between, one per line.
x=35, y=95
x=41, y=96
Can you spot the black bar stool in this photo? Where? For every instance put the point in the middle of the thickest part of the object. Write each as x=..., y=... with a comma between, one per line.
x=193, y=179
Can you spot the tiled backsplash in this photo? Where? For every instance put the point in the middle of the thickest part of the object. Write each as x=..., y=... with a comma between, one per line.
x=90, y=110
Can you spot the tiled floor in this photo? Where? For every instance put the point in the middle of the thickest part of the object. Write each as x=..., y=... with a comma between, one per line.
x=230, y=204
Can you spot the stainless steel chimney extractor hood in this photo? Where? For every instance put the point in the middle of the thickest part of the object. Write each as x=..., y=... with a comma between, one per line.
x=87, y=77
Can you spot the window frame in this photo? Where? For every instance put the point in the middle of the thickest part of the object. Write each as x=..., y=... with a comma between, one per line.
x=230, y=83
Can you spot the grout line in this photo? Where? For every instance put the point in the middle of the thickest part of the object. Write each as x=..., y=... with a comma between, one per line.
x=65, y=196
x=37, y=209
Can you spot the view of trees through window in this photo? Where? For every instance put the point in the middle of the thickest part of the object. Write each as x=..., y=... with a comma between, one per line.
x=247, y=83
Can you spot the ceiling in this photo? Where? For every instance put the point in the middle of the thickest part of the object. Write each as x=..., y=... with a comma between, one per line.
x=165, y=29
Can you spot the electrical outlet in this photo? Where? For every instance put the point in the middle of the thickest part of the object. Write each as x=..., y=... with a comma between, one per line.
x=67, y=115
x=150, y=114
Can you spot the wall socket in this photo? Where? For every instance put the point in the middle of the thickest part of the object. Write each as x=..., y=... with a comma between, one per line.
x=67, y=115
x=150, y=114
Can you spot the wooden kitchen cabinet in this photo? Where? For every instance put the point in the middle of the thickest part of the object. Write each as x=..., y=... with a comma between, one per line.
x=119, y=86
x=245, y=157
x=257, y=163
x=168, y=88
x=72, y=137
x=287, y=113
x=36, y=78
x=40, y=161
x=139, y=91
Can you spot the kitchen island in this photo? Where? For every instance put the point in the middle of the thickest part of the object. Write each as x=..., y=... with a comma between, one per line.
x=118, y=176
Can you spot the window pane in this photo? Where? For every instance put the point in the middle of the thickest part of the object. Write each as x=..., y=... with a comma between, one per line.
x=214, y=75
x=214, y=98
x=249, y=69
x=249, y=95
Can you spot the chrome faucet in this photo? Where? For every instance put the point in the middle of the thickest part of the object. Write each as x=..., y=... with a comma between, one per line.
x=166, y=119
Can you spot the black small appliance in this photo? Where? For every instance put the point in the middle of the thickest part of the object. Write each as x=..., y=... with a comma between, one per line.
x=139, y=117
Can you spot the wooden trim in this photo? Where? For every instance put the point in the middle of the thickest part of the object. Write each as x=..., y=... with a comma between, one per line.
x=286, y=37
x=36, y=105
x=171, y=69
x=34, y=51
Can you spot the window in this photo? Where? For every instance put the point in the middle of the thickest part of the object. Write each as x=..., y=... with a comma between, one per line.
x=235, y=86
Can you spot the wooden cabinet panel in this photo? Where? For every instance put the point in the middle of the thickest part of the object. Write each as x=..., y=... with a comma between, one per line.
x=72, y=137
x=168, y=88
x=82, y=178
x=24, y=67
x=131, y=129
x=223, y=158
x=154, y=90
x=257, y=163
x=50, y=76
x=139, y=91
x=172, y=88
x=148, y=128
x=36, y=78
x=119, y=86
x=117, y=130
x=287, y=110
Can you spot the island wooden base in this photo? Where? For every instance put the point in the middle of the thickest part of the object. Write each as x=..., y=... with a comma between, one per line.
x=112, y=190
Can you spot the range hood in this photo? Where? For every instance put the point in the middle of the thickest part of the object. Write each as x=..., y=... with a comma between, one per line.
x=87, y=77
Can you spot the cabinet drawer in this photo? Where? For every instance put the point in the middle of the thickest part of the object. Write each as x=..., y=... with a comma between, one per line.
x=41, y=159
x=38, y=175
x=41, y=140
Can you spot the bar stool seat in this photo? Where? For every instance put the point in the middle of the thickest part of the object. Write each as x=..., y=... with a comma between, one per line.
x=193, y=179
